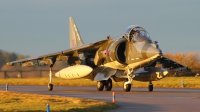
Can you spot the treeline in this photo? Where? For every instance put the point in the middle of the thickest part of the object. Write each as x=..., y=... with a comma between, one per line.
x=190, y=60
x=7, y=57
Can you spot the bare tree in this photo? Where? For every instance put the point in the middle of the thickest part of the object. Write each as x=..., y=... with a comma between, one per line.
x=187, y=59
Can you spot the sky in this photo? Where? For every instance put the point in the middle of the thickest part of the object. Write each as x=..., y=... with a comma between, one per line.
x=38, y=27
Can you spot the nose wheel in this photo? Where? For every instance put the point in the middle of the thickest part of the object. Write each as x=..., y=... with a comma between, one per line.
x=127, y=87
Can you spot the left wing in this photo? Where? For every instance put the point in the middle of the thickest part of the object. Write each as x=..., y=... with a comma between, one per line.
x=170, y=64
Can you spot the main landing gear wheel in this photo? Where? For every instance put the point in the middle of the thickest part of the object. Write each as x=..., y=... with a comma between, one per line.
x=150, y=87
x=100, y=85
x=50, y=87
x=108, y=85
x=127, y=87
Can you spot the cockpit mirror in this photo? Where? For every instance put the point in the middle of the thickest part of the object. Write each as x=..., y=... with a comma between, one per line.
x=155, y=42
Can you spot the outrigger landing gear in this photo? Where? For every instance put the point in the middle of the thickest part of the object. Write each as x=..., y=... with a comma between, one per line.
x=106, y=83
x=150, y=86
x=50, y=85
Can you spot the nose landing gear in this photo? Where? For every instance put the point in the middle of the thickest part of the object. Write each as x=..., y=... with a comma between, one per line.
x=128, y=83
x=127, y=87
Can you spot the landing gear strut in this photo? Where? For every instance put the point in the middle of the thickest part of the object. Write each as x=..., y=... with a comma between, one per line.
x=106, y=83
x=128, y=83
x=150, y=86
x=50, y=85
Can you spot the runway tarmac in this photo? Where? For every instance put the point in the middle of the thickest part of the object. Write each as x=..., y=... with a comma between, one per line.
x=137, y=100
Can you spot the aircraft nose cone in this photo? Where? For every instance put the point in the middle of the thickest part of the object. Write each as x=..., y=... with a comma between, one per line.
x=152, y=51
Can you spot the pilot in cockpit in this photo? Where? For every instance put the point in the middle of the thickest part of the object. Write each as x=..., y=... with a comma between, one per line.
x=135, y=35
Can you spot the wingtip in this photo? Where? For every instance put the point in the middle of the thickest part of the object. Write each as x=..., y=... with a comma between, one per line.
x=10, y=64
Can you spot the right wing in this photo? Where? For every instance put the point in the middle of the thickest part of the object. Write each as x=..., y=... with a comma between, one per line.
x=62, y=55
x=76, y=46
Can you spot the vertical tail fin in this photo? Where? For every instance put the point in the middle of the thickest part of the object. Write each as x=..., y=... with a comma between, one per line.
x=75, y=38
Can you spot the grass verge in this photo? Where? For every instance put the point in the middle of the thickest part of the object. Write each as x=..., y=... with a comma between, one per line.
x=168, y=82
x=18, y=102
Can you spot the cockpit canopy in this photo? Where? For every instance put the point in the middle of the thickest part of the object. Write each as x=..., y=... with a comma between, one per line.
x=137, y=34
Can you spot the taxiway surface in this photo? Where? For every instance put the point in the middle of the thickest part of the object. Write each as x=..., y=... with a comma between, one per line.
x=137, y=100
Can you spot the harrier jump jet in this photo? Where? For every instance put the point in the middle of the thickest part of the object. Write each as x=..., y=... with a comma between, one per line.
x=134, y=56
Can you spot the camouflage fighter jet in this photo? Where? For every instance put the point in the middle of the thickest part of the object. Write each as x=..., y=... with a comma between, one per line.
x=134, y=56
